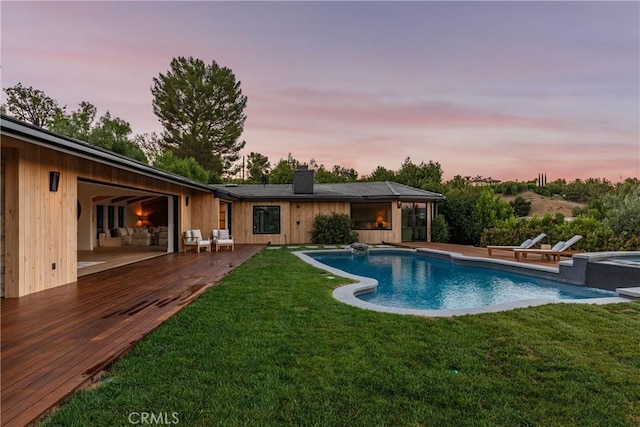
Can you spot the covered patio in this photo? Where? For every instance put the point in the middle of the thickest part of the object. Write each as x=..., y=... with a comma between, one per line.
x=60, y=340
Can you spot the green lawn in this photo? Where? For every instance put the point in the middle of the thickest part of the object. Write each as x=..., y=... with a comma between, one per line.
x=270, y=346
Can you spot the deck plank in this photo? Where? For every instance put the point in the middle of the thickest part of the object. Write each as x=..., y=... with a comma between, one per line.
x=57, y=341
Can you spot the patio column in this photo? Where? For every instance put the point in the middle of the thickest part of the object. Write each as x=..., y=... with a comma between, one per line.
x=429, y=218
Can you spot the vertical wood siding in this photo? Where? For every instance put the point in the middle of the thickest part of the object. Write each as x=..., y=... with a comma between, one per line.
x=12, y=246
x=296, y=222
x=41, y=226
x=242, y=224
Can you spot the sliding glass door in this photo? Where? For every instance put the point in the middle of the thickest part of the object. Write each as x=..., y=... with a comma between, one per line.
x=414, y=222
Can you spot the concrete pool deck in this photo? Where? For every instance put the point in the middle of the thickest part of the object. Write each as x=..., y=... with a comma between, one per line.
x=348, y=294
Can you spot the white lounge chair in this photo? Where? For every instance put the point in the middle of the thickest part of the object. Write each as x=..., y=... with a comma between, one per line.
x=527, y=244
x=222, y=238
x=194, y=238
x=555, y=252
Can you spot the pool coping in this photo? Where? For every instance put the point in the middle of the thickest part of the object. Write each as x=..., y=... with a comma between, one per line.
x=348, y=293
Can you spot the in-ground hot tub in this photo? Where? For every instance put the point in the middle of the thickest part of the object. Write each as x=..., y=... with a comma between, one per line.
x=619, y=270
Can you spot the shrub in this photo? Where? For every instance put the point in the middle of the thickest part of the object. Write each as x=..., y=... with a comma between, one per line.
x=439, y=230
x=521, y=206
x=469, y=211
x=596, y=236
x=579, y=210
x=333, y=229
x=623, y=211
x=458, y=212
x=542, y=191
x=487, y=211
x=558, y=218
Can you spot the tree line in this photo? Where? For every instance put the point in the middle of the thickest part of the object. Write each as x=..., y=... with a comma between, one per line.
x=200, y=106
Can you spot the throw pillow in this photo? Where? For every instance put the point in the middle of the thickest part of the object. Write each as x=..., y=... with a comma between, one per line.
x=223, y=234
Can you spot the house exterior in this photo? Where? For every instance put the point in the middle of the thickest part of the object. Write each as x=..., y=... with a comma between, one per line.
x=479, y=181
x=60, y=196
x=284, y=213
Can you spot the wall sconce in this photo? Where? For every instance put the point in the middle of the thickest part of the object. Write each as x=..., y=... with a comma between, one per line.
x=186, y=200
x=399, y=204
x=54, y=180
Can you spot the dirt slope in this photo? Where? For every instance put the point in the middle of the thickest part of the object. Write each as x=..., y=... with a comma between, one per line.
x=540, y=205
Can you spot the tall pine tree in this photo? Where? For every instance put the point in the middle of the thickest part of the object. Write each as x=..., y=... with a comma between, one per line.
x=201, y=108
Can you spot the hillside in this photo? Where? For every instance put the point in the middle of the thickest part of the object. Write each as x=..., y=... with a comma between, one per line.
x=540, y=205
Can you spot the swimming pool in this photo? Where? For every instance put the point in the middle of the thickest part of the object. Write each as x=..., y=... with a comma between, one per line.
x=412, y=281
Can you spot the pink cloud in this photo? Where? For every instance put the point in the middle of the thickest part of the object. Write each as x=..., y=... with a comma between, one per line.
x=358, y=109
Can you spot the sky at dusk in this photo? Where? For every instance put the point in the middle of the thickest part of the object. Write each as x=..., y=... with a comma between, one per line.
x=500, y=89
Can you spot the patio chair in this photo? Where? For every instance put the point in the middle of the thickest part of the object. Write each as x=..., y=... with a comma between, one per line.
x=222, y=238
x=527, y=244
x=554, y=253
x=194, y=238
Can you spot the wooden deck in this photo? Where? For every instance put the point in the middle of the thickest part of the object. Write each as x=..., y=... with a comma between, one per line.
x=60, y=340
x=475, y=251
x=107, y=258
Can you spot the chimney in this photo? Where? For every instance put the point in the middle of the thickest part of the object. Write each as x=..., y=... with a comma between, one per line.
x=303, y=180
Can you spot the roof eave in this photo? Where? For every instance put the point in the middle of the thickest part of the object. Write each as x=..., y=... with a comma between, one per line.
x=44, y=138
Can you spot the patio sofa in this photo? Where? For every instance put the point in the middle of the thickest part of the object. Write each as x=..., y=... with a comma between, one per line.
x=135, y=236
x=121, y=236
x=159, y=235
x=141, y=237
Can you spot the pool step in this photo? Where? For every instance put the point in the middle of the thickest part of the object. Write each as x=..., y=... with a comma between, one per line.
x=629, y=292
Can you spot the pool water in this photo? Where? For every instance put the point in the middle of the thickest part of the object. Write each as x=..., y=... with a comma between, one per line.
x=631, y=261
x=423, y=282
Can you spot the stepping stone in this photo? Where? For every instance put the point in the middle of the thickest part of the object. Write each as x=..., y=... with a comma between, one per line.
x=311, y=247
x=274, y=247
x=331, y=247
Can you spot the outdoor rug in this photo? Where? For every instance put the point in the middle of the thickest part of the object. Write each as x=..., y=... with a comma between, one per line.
x=83, y=264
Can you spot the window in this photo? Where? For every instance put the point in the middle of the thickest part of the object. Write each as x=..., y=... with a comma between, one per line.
x=110, y=217
x=225, y=216
x=120, y=216
x=222, y=224
x=371, y=216
x=266, y=220
x=99, y=219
